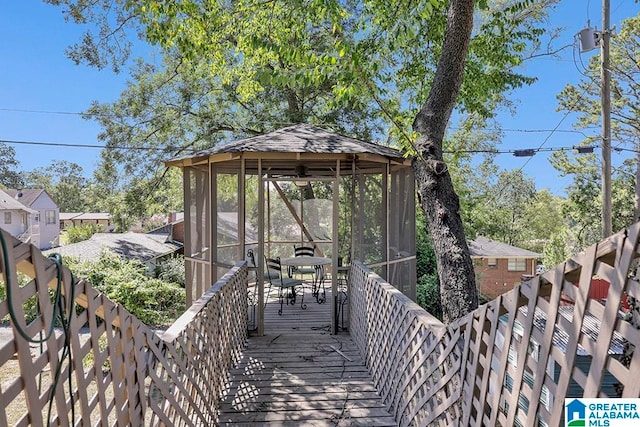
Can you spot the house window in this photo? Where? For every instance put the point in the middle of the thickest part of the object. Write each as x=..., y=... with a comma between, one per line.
x=50, y=217
x=492, y=262
x=517, y=264
x=7, y=217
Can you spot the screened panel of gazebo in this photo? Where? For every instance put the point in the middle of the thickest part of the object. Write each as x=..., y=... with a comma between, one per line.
x=197, y=248
x=402, y=231
x=350, y=199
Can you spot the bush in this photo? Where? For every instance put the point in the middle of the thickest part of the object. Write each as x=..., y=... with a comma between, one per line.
x=153, y=301
x=428, y=294
x=172, y=270
x=30, y=306
x=80, y=233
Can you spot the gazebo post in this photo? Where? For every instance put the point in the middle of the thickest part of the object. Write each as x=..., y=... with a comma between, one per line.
x=261, y=252
x=385, y=204
x=188, y=273
x=334, y=249
x=212, y=231
x=242, y=240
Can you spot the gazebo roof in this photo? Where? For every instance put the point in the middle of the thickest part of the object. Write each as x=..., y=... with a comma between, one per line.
x=300, y=139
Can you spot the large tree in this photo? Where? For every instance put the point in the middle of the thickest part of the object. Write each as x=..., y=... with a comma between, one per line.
x=337, y=63
x=64, y=181
x=583, y=207
x=10, y=176
x=458, y=292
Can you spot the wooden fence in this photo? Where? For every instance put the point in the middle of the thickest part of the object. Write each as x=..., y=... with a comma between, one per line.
x=118, y=367
x=514, y=360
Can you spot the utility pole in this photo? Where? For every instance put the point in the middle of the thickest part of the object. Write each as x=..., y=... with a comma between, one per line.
x=605, y=96
x=636, y=204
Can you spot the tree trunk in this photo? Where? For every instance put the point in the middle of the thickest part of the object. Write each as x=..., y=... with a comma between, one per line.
x=437, y=196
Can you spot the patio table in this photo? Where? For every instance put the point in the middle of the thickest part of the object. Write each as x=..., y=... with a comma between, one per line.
x=310, y=261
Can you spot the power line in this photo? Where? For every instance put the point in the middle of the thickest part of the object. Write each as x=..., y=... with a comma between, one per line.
x=73, y=145
x=18, y=110
x=76, y=113
x=519, y=152
x=528, y=152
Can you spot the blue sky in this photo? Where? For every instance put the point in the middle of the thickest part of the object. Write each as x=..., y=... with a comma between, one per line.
x=37, y=80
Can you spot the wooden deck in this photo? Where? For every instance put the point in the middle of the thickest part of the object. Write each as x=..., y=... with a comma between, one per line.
x=299, y=374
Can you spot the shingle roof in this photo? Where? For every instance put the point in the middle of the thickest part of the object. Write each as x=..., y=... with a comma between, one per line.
x=483, y=247
x=8, y=202
x=301, y=138
x=143, y=247
x=26, y=197
x=66, y=216
x=93, y=216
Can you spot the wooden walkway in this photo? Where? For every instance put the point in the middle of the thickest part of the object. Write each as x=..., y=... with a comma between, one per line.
x=299, y=374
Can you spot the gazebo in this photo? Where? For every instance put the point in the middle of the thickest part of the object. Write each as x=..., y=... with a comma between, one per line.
x=351, y=199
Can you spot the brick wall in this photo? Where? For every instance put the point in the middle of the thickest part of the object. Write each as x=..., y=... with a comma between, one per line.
x=178, y=232
x=494, y=281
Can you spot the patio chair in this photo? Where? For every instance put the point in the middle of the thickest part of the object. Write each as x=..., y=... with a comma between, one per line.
x=252, y=266
x=305, y=271
x=286, y=286
x=266, y=275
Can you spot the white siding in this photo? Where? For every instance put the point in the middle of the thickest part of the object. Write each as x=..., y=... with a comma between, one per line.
x=16, y=227
x=49, y=233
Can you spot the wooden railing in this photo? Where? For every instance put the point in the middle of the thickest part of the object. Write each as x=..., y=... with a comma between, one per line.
x=118, y=366
x=190, y=362
x=514, y=360
x=413, y=358
x=511, y=362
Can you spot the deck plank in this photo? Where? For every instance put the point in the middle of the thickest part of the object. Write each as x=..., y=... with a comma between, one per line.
x=299, y=374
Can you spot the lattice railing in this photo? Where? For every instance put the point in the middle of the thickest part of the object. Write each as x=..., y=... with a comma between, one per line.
x=514, y=360
x=411, y=355
x=107, y=344
x=115, y=358
x=188, y=372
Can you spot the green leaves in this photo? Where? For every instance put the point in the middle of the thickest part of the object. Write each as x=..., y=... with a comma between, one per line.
x=65, y=183
x=324, y=56
x=153, y=301
x=9, y=173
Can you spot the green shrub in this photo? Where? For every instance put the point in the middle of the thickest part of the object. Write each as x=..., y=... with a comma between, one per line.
x=153, y=301
x=79, y=233
x=428, y=294
x=172, y=270
x=30, y=306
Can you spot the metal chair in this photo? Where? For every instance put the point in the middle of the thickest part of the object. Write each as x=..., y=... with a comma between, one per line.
x=312, y=271
x=254, y=267
x=283, y=284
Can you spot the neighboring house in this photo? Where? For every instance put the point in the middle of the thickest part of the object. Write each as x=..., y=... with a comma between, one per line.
x=147, y=248
x=66, y=219
x=39, y=224
x=74, y=219
x=15, y=217
x=174, y=228
x=499, y=267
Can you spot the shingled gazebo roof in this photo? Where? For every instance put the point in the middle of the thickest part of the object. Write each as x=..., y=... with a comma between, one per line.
x=297, y=141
